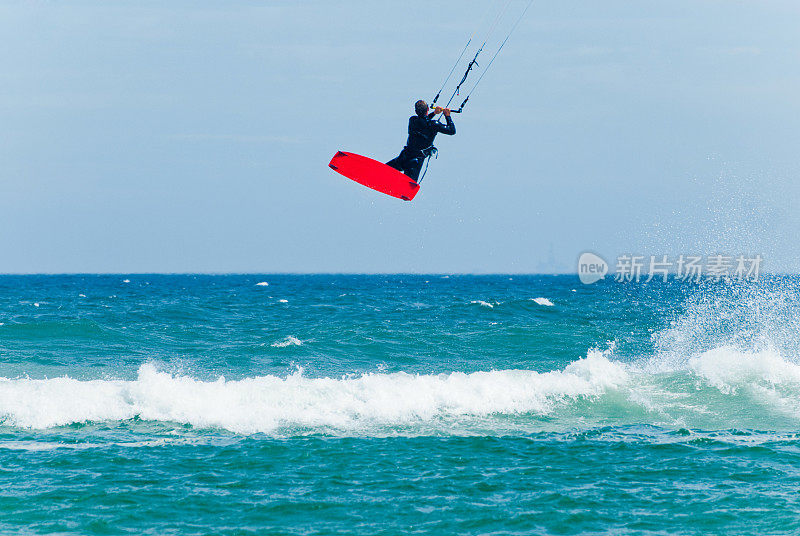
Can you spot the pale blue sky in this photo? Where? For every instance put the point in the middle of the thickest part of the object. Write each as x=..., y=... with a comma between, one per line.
x=195, y=137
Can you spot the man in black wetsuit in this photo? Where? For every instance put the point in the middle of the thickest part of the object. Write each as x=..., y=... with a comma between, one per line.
x=422, y=129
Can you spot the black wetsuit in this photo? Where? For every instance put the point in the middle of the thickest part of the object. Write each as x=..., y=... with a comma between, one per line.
x=421, y=132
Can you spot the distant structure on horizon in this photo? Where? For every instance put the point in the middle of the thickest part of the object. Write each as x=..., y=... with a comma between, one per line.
x=551, y=265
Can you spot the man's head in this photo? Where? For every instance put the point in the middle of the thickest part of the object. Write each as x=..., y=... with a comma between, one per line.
x=421, y=107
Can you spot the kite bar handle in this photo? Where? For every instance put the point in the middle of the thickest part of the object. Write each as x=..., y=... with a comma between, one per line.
x=460, y=108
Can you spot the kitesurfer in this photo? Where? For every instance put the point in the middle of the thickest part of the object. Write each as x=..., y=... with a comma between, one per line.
x=422, y=129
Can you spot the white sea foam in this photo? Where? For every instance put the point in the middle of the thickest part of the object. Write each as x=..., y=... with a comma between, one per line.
x=763, y=378
x=35, y=446
x=543, y=301
x=723, y=388
x=288, y=341
x=262, y=284
x=40, y=446
x=482, y=303
x=270, y=403
x=283, y=301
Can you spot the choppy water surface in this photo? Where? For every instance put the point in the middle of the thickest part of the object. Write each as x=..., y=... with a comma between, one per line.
x=150, y=404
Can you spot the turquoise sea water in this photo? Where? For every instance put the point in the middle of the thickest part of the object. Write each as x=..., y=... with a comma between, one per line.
x=425, y=404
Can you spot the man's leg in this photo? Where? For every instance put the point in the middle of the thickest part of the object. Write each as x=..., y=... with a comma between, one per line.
x=396, y=163
x=412, y=167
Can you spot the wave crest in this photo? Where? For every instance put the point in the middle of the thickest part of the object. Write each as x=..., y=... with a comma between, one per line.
x=723, y=388
x=270, y=403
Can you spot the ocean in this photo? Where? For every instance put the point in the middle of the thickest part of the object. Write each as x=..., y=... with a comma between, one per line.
x=398, y=404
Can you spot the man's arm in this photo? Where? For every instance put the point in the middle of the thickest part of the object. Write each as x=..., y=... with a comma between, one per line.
x=449, y=128
x=436, y=110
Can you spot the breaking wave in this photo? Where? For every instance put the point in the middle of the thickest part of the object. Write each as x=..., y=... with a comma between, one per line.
x=287, y=341
x=722, y=388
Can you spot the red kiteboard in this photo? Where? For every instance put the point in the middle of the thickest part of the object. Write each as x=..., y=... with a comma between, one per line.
x=374, y=174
